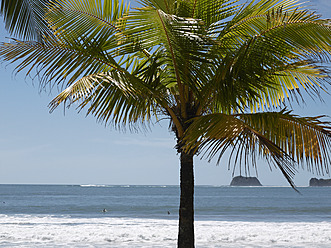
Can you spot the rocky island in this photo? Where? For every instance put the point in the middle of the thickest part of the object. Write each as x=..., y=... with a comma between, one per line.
x=245, y=181
x=314, y=182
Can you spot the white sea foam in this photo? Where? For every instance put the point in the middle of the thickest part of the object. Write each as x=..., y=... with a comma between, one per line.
x=94, y=185
x=48, y=231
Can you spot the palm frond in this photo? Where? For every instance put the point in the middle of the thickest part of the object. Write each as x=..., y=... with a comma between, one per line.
x=72, y=19
x=272, y=16
x=213, y=13
x=290, y=84
x=111, y=98
x=267, y=57
x=167, y=6
x=279, y=137
x=25, y=18
x=305, y=139
x=56, y=61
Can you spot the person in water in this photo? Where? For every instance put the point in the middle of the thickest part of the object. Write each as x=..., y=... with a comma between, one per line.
x=104, y=210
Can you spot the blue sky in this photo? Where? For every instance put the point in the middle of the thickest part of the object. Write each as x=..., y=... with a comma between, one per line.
x=41, y=148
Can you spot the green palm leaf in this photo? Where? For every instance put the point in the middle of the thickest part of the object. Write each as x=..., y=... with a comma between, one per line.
x=75, y=20
x=280, y=137
x=265, y=55
x=111, y=98
x=24, y=18
x=56, y=61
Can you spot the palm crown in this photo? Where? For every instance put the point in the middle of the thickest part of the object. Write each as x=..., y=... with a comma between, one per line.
x=214, y=68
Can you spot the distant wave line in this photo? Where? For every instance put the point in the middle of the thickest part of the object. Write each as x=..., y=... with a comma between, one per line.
x=127, y=186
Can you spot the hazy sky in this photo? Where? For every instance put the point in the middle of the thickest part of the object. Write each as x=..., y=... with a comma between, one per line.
x=42, y=148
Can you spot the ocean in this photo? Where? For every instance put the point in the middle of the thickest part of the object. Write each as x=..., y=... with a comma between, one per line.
x=147, y=216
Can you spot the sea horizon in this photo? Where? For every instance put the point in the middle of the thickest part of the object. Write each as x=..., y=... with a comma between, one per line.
x=170, y=185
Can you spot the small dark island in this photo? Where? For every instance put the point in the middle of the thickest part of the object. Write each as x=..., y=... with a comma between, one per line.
x=245, y=181
x=314, y=182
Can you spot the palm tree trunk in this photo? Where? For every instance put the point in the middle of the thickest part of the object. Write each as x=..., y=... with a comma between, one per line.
x=186, y=208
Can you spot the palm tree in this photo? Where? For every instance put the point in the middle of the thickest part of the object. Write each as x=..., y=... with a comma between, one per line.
x=221, y=72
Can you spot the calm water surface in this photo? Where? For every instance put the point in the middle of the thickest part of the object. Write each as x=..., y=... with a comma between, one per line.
x=219, y=203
